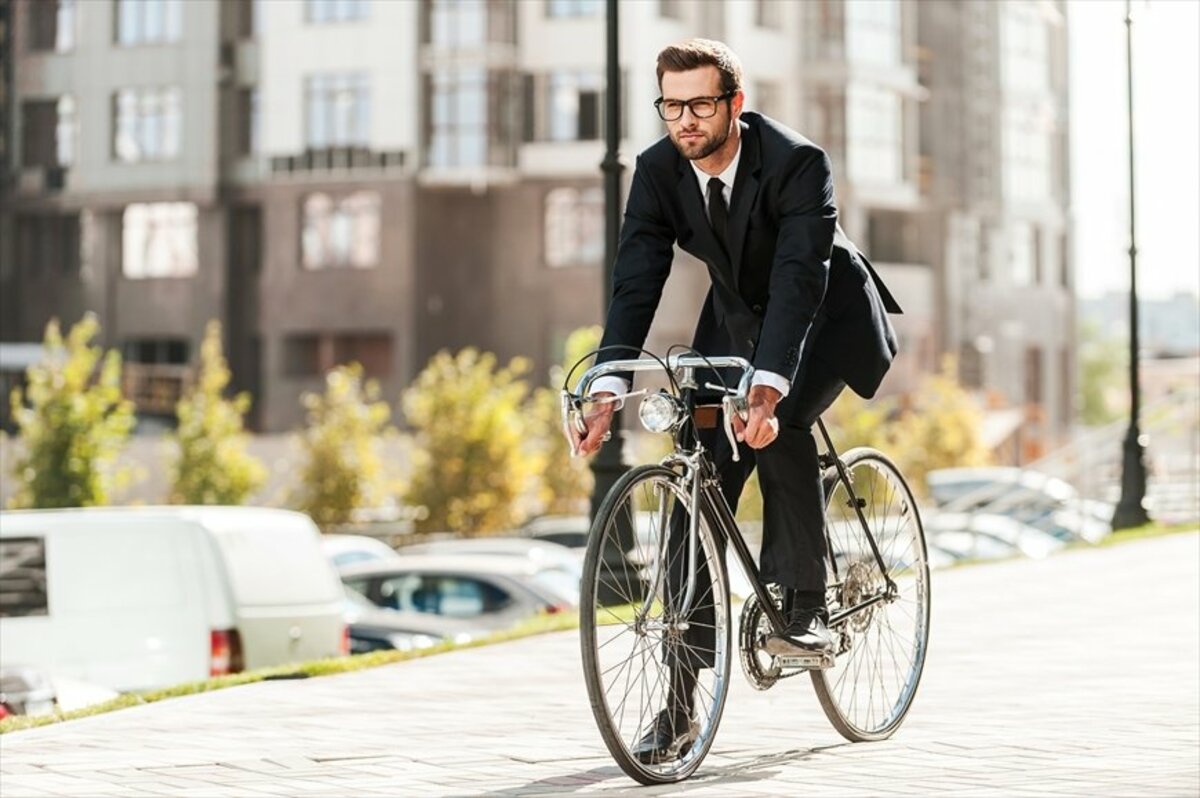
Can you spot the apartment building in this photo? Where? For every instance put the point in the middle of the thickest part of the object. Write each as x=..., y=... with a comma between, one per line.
x=374, y=181
x=994, y=145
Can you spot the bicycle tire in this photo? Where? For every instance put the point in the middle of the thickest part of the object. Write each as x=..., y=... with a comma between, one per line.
x=604, y=625
x=876, y=713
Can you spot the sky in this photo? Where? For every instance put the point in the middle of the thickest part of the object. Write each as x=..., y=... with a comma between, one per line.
x=1166, y=68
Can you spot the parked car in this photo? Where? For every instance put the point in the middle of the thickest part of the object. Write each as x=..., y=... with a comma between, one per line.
x=26, y=691
x=541, y=554
x=344, y=550
x=566, y=530
x=1034, y=498
x=373, y=628
x=144, y=597
x=492, y=592
x=1023, y=539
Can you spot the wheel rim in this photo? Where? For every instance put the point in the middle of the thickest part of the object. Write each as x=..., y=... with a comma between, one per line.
x=881, y=650
x=627, y=647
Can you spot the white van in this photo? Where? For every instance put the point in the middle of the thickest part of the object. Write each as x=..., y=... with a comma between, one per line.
x=143, y=597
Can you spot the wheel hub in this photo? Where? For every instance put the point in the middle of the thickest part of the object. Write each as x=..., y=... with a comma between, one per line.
x=861, y=583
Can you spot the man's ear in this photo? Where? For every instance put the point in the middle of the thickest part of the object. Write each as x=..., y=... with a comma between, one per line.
x=736, y=102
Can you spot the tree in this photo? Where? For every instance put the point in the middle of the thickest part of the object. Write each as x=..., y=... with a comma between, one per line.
x=566, y=481
x=473, y=460
x=939, y=429
x=1104, y=363
x=342, y=468
x=75, y=423
x=213, y=466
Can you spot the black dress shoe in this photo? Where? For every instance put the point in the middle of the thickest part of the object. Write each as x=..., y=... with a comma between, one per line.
x=805, y=634
x=670, y=737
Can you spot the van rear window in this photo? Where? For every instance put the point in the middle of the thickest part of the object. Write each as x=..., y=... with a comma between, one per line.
x=23, y=577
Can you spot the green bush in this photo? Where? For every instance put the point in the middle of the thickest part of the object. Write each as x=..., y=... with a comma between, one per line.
x=567, y=481
x=474, y=462
x=212, y=466
x=342, y=469
x=74, y=425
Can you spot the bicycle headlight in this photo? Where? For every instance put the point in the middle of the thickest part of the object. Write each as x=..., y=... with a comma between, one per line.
x=659, y=412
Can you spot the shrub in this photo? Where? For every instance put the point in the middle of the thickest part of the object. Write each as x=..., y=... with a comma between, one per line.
x=75, y=423
x=212, y=466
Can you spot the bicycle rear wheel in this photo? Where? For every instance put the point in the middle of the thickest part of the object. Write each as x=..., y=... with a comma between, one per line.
x=631, y=629
x=880, y=648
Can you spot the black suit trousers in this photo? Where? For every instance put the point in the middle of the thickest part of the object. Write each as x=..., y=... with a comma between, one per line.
x=793, y=547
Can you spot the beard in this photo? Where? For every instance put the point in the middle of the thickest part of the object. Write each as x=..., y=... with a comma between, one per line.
x=699, y=149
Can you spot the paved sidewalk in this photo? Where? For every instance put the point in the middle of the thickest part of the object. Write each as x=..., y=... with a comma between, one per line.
x=1076, y=675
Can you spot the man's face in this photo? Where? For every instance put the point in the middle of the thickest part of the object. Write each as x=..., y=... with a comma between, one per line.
x=697, y=138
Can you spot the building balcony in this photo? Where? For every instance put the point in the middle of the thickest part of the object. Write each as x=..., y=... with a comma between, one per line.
x=155, y=388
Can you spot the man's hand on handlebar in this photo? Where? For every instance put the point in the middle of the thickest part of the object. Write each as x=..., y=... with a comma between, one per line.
x=598, y=420
x=762, y=427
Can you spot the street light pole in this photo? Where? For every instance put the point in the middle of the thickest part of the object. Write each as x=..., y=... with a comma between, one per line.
x=609, y=464
x=1131, y=510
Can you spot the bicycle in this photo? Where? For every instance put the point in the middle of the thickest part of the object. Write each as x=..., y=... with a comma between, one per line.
x=632, y=620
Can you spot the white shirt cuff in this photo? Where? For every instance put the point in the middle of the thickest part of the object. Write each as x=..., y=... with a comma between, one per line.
x=611, y=384
x=776, y=381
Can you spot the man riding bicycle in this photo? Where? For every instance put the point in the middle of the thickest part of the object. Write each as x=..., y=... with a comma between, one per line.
x=754, y=201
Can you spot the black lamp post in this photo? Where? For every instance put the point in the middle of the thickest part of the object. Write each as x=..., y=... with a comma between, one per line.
x=1131, y=510
x=609, y=465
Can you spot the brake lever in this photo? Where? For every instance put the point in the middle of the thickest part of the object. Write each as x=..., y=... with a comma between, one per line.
x=733, y=405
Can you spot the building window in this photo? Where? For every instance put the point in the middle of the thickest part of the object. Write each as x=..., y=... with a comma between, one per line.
x=458, y=134
x=457, y=23
x=312, y=354
x=52, y=25
x=249, y=121
x=574, y=226
x=341, y=233
x=159, y=240
x=873, y=135
x=873, y=33
x=23, y=589
x=573, y=106
x=147, y=124
x=49, y=131
x=156, y=351
x=318, y=11
x=338, y=110
x=768, y=13
x=1025, y=47
x=1026, y=161
x=1033, y=375
x=1022, y=261
x=670, y=9
x=559, y=9
x=149, y=21
x=49, y=245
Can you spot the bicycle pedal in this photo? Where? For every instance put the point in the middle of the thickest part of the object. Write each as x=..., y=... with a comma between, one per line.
x=812, y=662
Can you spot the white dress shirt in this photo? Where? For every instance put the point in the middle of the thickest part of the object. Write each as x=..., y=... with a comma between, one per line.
x=618, y=385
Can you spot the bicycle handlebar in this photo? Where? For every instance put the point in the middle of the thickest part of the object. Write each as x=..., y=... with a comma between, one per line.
x=734, y=402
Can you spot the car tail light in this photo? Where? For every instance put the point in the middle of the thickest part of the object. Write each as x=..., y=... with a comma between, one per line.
x=4, y=713
x=226, y=652
x=555, y=609
x=345, y=645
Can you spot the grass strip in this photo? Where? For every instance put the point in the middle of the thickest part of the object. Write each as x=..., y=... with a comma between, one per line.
x=541, y=624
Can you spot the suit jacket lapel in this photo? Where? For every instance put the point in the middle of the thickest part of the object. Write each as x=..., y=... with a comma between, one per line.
x=745, y=189
x=705, y=241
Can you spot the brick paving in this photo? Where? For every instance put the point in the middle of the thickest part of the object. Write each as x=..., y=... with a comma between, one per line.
x=1075, y=675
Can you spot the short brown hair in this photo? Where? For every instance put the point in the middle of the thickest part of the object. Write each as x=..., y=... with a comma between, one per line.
x=696, y=53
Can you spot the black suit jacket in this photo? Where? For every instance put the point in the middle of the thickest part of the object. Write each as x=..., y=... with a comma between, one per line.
x=785, y=292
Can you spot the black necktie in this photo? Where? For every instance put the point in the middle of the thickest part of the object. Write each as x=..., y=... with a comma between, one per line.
x=718, y=214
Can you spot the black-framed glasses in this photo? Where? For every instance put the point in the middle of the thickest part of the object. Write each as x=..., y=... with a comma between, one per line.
x=701, y=107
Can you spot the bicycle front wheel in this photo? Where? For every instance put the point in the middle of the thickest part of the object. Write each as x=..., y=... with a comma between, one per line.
x=639, y=635
x=881, y=638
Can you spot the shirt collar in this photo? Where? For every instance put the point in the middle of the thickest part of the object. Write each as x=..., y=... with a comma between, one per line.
x=727, y=177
